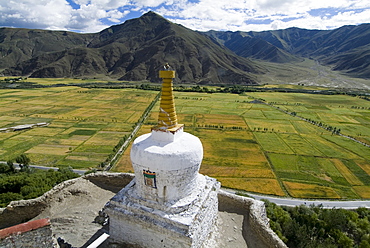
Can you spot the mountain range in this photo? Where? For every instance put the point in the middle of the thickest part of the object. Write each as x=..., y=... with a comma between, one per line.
x=138, y=48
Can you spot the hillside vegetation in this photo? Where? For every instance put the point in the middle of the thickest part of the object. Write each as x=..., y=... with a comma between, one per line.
x=346, y=49
x=136, y=49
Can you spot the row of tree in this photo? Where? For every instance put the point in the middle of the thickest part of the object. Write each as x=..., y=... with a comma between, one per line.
x=113, y=157
x=316, y=227
x=329, y=128
x=235, y=89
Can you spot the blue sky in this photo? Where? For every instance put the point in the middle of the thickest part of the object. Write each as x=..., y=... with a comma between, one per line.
x=203, y=15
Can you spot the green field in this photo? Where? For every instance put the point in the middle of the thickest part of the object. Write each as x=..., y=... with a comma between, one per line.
x=258, y=148
x=85, y=124
x=252, y=146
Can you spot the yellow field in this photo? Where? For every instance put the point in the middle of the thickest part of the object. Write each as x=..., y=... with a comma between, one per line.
x=85, y=158
x=104, y=138
x=363, y=191
x=364, y=165
x=220, y=120
x=44, y=131
x=304, y=190
x=247, y=145
x=85, y=124
x=337, y=118
x=237, y=172
x=231, y=148
x=82, y=158
x=271, y=142
x=264, y=186
x=124, y=163
x=133, y=116
x=272, y=125
x=347, y=174
x=50, y=149
x=44, y=159
x=236, y=136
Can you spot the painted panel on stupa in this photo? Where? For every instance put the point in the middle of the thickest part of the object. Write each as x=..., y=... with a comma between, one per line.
x=150, y=178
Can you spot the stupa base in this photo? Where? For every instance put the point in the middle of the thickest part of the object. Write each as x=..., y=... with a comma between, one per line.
x=186, y=223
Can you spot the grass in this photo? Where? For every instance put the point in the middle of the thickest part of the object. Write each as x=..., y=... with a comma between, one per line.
x=264, y=186
x=271, y=146
x=272, y=142
x=247, y=146
x=346, y=173
x=303, y=190
x=284, y=162
x=82, y=131
x=363, y=191
x=50, y=149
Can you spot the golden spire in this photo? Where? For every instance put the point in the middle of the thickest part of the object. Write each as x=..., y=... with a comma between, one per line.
x=167, y=118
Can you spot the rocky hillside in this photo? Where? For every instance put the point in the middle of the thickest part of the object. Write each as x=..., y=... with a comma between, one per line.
x=346, y=49
x=18, y=45
x=138, y=48
x=134, y=50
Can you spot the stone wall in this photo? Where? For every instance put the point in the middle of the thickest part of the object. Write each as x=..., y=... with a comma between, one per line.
x=24, y=210
x=255, y=219
x=258, y=223
x=41, y=237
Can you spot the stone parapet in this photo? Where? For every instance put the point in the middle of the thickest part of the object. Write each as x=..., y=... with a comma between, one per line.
x=24, y=210
x=257, y=218
x=187, y=223
x=20, y=211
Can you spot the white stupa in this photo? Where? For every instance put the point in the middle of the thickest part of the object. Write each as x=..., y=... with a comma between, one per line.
x=168, y=204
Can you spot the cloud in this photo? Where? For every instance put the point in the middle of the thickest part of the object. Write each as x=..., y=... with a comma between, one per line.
x=203, y=15
x=92, y=15
x=269, y=14
x=150, y=3
x=59, y=14
x=35, y=13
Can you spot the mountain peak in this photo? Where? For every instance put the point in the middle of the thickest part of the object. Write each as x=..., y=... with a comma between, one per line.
x=135, y=50
x=151, y=14
x=151, y=17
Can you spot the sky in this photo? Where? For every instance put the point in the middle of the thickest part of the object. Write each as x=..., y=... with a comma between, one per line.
x=90, y=16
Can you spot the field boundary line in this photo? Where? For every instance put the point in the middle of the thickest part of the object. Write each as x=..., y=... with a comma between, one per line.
x=124, y=146
x=308, y=121
x=272, y=168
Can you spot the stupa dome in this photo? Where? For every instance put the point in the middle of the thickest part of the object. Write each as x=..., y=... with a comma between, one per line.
x=167, y=160
x=172, y=166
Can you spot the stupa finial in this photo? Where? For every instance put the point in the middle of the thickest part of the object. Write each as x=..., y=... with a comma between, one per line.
x=167, y=118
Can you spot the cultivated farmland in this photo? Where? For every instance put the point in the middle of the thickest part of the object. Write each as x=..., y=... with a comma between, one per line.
x=256, y=146
x=85, y=124
x=252, y=141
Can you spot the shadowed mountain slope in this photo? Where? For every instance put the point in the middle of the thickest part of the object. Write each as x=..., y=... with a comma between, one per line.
x=245, y=45
x=18, y=45
x=138, y=48
x=135, y=50
x=345, y=48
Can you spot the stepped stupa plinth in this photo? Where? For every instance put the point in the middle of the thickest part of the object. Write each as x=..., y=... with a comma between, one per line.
x=168, y=203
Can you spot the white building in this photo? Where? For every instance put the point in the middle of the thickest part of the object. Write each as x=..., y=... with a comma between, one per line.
x=168, y=204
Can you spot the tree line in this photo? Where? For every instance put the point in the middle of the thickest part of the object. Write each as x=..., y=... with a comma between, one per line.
x=316, y=227
x=26, y=182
